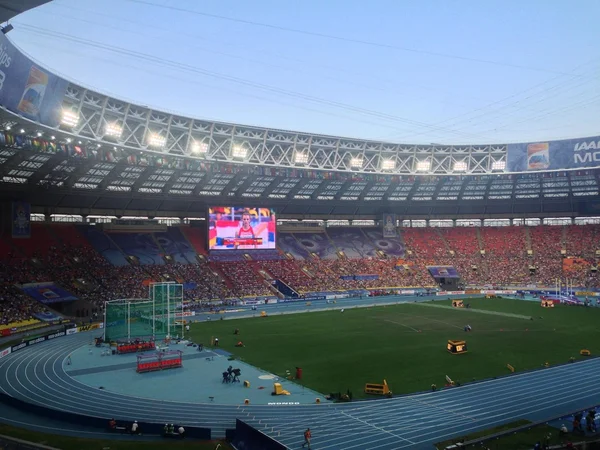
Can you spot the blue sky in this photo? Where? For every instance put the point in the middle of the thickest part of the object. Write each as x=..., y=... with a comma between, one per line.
x=414, y=72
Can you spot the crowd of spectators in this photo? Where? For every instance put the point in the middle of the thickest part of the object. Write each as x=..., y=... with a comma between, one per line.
x=482, y=256
x=244, y=278
x=16, y=306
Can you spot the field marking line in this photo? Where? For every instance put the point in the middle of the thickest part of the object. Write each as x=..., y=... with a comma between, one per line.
x=433, y=320
x=397, y=323
x=479, y=311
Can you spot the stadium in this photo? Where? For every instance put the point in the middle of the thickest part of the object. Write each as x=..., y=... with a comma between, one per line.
x=381, y=295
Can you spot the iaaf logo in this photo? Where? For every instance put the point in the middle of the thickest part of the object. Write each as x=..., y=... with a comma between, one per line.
x=36, y=341
x=582, y=146
x=5, y=58
x=587, y=157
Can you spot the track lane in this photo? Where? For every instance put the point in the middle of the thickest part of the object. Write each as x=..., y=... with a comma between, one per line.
x=38, y=375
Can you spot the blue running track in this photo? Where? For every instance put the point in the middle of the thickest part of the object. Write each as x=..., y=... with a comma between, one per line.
x=36, y=375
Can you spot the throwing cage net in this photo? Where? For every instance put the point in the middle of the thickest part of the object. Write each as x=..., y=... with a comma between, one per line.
x=156, y=317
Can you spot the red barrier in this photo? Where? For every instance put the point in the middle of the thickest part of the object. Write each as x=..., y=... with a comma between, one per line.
x=5, y=332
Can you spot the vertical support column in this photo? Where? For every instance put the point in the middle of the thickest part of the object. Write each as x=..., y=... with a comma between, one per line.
x=128, y=321
x=168, y=309
x=153, y=297
x=105, y=306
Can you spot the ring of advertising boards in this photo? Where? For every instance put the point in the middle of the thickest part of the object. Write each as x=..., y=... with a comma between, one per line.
x=241, y=228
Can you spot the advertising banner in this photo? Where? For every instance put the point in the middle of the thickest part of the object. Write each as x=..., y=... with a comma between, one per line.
x=47, y=316
x=21, y=220
x=47, y=293
x=5, y=352
x=27, y=89
x=389, y=226
x=91, y=326
x=553, y=155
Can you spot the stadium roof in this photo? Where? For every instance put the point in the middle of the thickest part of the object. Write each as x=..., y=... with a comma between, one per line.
x=12, y=8
x=107, y=156
x=69, y=179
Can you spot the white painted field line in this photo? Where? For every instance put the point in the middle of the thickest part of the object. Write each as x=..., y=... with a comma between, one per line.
x=479, y=311
x=398, y=323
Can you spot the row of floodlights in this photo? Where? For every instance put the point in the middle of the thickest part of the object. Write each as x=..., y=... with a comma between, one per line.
x=70, y=119
x=156, y=140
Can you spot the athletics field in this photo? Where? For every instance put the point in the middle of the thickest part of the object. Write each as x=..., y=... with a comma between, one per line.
x=406, y=344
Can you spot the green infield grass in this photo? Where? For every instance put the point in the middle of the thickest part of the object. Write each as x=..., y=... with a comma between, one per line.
x=406, y=344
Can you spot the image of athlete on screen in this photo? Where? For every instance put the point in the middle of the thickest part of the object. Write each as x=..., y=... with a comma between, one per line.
x=245, y=231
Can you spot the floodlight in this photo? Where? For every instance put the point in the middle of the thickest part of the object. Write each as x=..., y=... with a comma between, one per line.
x=356, y=162
x=301, y=158
x=68, y=140
x=39, y=134
x=199, y=147
x=7, y=127
x=156, y=140
x=460, y=166
x=499, y=165
x=388, y=164
x=423, y=166
x=69, y=118
x=239, y=151
x=22, y=131
x=113, y=130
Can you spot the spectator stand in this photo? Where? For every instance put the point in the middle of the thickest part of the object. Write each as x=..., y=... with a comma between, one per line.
x=151, y=362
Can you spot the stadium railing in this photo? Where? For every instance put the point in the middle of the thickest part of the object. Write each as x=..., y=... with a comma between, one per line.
x=479, y=442
x=249, y=438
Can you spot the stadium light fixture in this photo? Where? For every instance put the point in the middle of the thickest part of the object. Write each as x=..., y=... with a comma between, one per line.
x=499, y=165
x=7, y=127
x=113, y=130
x=22, y=131
x=460, y=166
x=156, y=140
x=68, y=140
x=52, y=137
x=423, y=166
x=199, y=147
x=69, y=118
x=356, y=162
x=388, y=164
x=301, y=158
x=39, y=134
x=239, y=151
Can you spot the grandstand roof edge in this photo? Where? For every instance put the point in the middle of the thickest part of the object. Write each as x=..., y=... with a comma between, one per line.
x=99, y=91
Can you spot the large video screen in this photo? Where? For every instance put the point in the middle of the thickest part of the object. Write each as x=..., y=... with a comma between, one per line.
x=241, y=228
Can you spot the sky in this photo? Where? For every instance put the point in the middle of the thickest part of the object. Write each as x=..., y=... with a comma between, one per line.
x=414, y=72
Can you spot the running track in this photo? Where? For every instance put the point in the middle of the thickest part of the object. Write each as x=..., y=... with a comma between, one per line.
x=36, y=374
